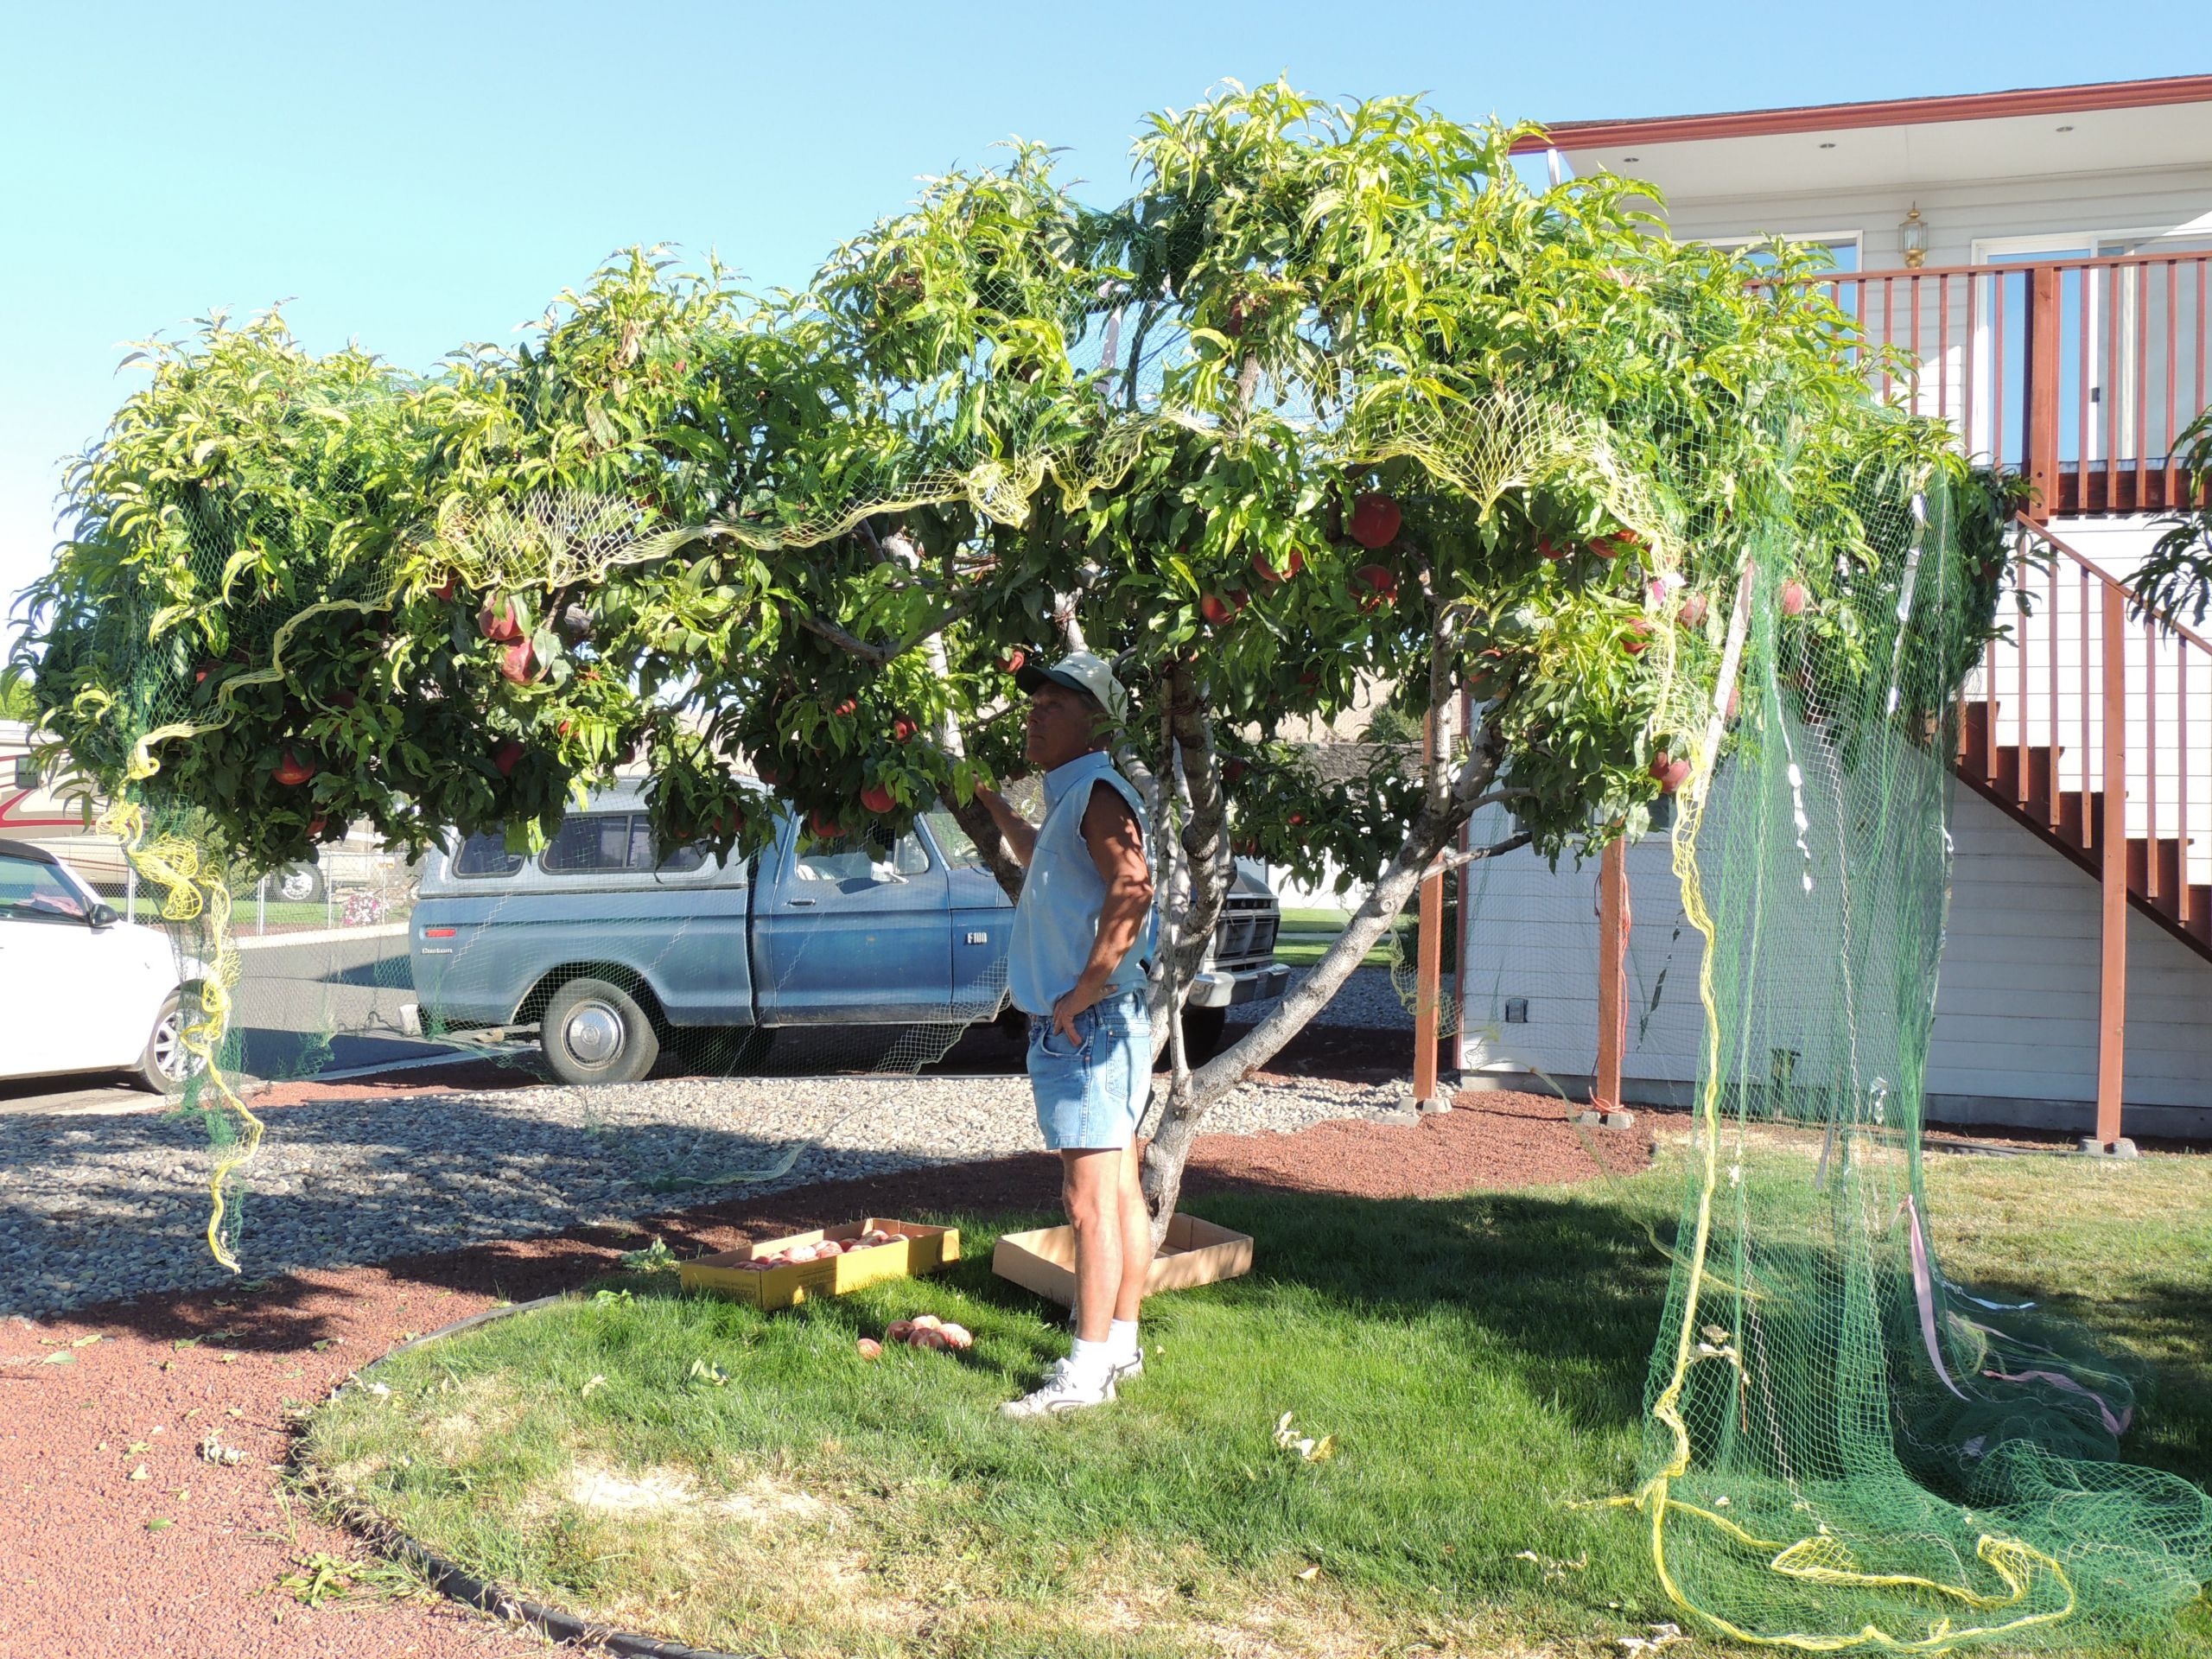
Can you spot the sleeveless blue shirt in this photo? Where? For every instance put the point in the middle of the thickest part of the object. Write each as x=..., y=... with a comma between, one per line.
x=1056, y=921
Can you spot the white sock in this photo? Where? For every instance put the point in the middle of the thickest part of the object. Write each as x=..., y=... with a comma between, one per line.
x=1122, y=1338
x=1090, y=1360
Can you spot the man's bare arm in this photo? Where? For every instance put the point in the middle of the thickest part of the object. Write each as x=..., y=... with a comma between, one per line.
x=1020, y=834
x=1117, y=845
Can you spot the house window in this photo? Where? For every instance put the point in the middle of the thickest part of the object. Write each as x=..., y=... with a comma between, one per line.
x=1842, y=246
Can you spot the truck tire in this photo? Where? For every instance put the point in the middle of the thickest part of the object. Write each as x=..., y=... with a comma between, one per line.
x=297, y=884
x=593, y=1032
x=1202, y=1033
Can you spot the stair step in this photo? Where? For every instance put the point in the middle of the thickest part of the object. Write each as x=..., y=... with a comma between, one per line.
x=1973, y=729
x=2164, y=859
x=2081, y=816
x=2023, y=777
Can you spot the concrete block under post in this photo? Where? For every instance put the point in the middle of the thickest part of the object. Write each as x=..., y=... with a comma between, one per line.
x=2122, y=1148
x=1606, y=1118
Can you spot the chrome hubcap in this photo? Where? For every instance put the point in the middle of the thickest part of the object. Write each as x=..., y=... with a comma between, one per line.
x=594, y=1033
x=171, y=1057
x=295, y=886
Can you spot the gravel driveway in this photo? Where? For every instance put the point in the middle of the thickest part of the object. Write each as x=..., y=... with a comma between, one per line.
x=100, y=1208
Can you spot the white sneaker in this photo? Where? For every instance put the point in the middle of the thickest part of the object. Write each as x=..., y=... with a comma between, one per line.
x=1127, y=1370
x=1062, y=1391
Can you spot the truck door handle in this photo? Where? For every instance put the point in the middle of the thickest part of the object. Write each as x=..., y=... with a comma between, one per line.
x=799, y=902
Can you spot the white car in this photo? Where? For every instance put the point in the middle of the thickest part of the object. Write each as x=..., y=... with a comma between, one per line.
x=81, y=989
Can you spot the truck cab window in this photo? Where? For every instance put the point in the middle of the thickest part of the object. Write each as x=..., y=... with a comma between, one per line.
x=481, y=855
x=952, y=841
x=593, y=841
x=858, y=861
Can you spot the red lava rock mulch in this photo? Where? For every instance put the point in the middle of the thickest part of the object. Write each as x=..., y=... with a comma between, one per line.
x=83, y=1572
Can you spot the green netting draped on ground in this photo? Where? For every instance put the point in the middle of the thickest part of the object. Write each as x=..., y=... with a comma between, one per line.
x=1848, y=1450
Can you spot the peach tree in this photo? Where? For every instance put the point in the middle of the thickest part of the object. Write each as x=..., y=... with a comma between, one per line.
x=1331, y=407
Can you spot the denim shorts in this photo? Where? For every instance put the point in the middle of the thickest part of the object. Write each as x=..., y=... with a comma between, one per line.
x=1093, y=1096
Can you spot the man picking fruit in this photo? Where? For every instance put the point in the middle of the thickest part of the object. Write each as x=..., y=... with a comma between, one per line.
x=1076, y=967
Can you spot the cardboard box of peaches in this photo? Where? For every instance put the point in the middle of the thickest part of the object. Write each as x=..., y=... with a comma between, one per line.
x=785, y=1271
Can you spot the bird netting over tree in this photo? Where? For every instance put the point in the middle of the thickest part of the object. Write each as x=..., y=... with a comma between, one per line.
x=697, y=591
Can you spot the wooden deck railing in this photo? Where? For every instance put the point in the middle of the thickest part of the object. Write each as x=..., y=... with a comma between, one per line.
x=2092, y=726
x=2077, y=372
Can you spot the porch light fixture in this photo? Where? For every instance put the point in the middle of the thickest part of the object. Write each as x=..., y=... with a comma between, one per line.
x=1912, y=238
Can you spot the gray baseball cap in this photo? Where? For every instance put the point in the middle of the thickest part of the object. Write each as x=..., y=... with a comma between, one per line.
x=1079, y=671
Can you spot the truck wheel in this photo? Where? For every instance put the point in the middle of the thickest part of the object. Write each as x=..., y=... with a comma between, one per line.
x=593, y=1032
x=1202, y=1033
x=298, y=884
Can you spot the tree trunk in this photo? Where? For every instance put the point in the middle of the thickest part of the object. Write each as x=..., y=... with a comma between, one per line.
x=1193, y=1095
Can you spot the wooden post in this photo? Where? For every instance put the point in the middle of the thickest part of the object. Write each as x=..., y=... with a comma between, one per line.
x=1612, y=978
x=2041, y=389
x=1429, y=972
x=2112, y=860
x=1459, y=945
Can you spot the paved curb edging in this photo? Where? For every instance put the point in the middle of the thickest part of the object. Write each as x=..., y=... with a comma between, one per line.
x=462, y=1585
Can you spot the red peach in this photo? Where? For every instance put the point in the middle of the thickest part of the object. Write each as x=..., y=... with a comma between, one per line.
x=1638, y=637
x=500, y=620
x=1270, y=572
x=1693, y=612
x=847, y=708
x=931, y=1338
x=1012, y=662
x=869, y=1348
x=1794, y=598
x=1375, y=520
x=1381, y=586
x=903, y=730
x=898, y=1330
x=1552, y=549
x=878, y=800
x=519, y=663
x=507, y=757
x=292, y=771
x=1671, y=773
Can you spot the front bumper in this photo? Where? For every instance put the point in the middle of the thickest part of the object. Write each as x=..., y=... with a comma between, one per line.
x=1215, y=988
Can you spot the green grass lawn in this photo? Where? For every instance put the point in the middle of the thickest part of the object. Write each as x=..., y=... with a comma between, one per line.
x=1306, y=935
x=688, y=1465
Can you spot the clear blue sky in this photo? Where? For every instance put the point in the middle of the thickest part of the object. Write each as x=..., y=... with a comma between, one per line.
x=417, y=175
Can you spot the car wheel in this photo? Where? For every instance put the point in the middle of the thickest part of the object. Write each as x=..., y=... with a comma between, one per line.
x=166, y=1064
x=1202, y=1033
x=299, y=884
x=593, y=1032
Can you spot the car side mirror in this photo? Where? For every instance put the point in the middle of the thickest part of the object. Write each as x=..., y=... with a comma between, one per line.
x=102, y=916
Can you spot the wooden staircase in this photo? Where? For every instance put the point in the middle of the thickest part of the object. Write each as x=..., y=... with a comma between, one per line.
x=2092, y=725
x=2017, y=779
x=2093, y=728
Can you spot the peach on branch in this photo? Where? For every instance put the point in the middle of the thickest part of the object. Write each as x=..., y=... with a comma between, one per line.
x=1375, y=586
x=500, y=620
x=293, y=769
x=1375, y=520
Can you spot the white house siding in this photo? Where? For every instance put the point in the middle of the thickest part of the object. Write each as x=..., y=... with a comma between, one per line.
x=1961, y=214
x=2015, y=1035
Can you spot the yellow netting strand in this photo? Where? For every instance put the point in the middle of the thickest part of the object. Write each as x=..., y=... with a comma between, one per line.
x=190, y=891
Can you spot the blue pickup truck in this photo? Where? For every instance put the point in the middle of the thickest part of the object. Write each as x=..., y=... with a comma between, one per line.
x=614, y=955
